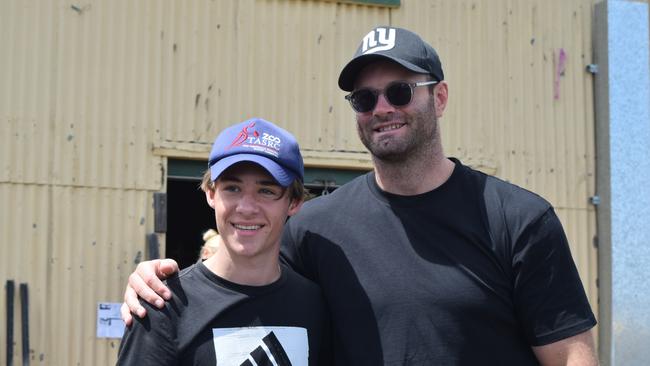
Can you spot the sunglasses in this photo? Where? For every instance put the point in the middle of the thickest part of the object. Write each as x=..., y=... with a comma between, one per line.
x=397, y=93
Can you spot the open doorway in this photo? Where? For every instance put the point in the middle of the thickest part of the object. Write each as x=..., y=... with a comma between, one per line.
x=189, y=216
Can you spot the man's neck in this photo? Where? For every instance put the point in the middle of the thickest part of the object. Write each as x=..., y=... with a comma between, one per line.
x=416, y=176
x=250, y=272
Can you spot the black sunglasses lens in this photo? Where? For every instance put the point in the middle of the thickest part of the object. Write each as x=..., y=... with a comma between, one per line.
x=363, y=100
x=399, y=94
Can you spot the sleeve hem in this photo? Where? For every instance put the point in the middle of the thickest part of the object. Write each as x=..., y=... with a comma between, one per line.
x=558, y=335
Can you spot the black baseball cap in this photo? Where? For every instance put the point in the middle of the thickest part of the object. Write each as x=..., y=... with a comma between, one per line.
x=394, y=44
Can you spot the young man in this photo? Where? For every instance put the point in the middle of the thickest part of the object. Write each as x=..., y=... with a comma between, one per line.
x=240, y=307
x=426, y=261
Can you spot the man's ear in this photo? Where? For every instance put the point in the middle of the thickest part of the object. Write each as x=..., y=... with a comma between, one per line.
x=209, y=197
x=440, y=95
x=294, y=206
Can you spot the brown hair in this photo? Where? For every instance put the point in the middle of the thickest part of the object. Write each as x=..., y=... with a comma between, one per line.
x=296, y=189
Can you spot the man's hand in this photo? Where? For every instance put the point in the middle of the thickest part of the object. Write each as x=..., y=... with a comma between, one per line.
x=146, y=282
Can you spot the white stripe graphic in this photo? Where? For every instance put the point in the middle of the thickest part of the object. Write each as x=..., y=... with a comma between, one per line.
x=268, y=353
x=251, y=360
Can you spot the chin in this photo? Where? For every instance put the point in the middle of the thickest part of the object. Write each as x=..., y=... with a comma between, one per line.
x=388, y=155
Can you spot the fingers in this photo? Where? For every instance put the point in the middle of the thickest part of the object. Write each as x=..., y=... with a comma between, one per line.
x=126, y=314
x=133, y=288
x=151, y=274
x=167, y=268
x=142, y=288
x=146, y=283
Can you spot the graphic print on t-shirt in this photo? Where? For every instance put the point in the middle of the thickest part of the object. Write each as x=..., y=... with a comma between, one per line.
x=258, y=346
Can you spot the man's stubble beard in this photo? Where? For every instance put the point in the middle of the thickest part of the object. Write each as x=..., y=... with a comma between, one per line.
x=420, y=140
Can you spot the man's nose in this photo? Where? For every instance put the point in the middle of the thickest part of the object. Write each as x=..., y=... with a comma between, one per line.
x=383, y=106
x=247, y=204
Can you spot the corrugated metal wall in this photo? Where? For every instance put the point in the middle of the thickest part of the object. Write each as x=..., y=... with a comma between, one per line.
x=95, y=95
x=77, y=168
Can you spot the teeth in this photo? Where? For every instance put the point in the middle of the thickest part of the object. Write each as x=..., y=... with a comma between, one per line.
x=390, y=127
x=247, y=227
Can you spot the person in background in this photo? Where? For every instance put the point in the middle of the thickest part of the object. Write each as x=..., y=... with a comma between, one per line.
x=425, y=261
x=240, y=306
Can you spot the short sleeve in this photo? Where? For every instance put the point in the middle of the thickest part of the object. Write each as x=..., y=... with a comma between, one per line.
x=149, y=341
x=549, y=298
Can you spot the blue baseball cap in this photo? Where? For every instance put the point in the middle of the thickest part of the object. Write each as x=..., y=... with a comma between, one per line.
x=261, y=142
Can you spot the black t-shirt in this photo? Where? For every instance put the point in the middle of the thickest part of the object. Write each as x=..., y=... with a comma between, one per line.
x=474, y=272
x=211, y=320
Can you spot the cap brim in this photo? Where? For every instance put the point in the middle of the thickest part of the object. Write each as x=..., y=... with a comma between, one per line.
x=351, y=70
x=284, y=176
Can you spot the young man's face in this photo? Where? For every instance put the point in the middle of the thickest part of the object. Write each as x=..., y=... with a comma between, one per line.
x=250, y=209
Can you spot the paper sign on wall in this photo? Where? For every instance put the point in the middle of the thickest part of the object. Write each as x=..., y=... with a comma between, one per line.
x=109, y=322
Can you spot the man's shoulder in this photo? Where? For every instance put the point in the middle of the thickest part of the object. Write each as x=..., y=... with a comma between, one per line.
x=189, y=288
x=508, y=207
x=341, y=195
x=174, y=307
x=186, y=277
x=515, y=200
x=507, y=195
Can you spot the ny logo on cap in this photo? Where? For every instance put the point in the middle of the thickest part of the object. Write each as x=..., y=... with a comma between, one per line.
x=378, y=40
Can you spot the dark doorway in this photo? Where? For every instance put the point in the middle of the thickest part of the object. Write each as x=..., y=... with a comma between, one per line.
x=188, y=217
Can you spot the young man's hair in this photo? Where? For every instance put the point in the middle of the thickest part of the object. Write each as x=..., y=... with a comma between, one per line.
x=296, y=189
